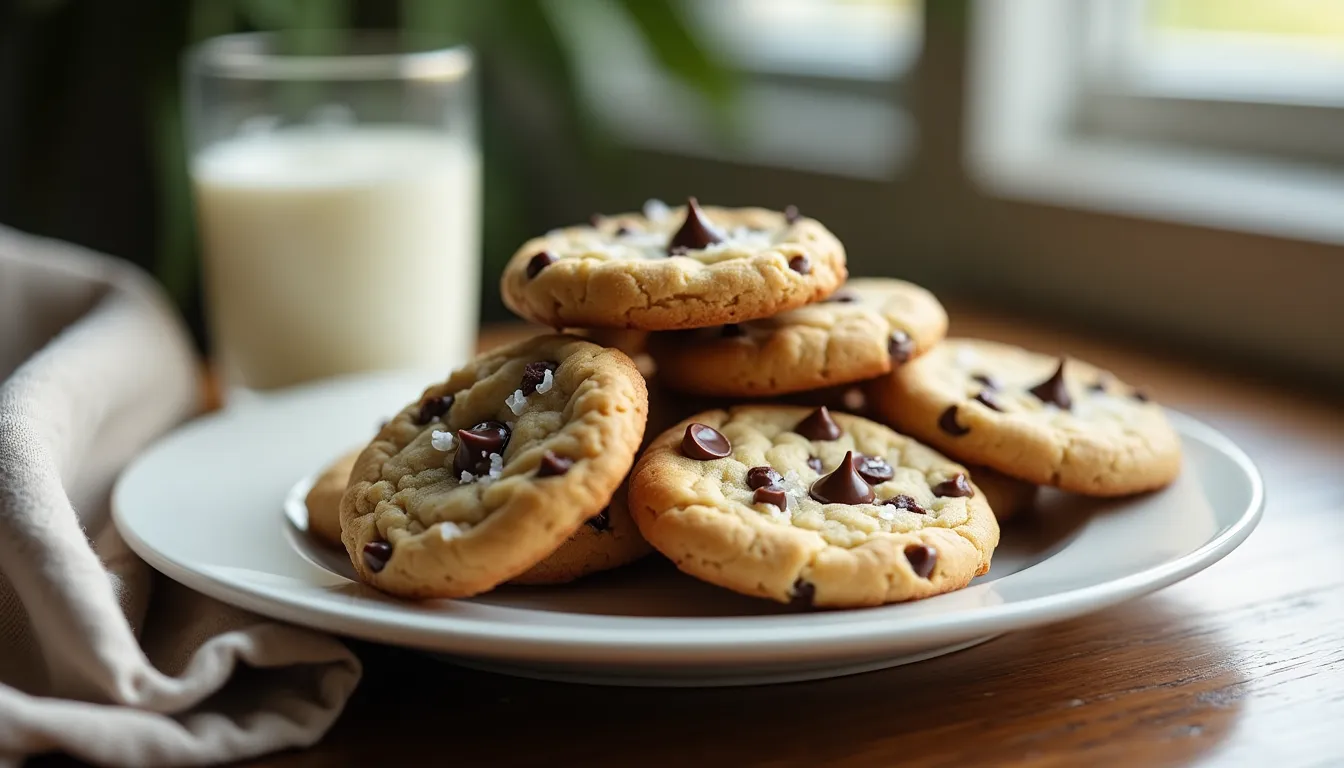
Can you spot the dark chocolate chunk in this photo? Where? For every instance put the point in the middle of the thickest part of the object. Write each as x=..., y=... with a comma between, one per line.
x=989, y=381
x=539, y=262
x=623, y=230
x=843, y=486
x=875, y=470
x=704, y=443
x=956, y=485
x=1053, y=390
x=843, y=296
x=791, y=214
x=800, y=264
x=907, y=503
x=989, y=400
x=804, y=592
x=1099, y=385
x=819, y=426
x=759, y=477
x=771, y=494
x=534, y=374
x=901, y=347
x=432, y=408
x=1140, y=395
x=552, y=465
x=948, y=422
x=922, y=559
x=696, y=232
x=732, y=331
x=599, y=522
x=376, y=554
x=814, y=462
x=475, y=445
x=595, y=220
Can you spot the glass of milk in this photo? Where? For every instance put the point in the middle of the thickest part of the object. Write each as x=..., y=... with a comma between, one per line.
x=337, y=184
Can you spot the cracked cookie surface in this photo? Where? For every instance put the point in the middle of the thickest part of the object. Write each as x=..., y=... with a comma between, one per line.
x=490, y=471
x=906, y=529
x=860, y=332
x=1076, y=427
x=645, y=271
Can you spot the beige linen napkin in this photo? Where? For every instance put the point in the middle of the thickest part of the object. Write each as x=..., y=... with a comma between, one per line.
x=95, y=366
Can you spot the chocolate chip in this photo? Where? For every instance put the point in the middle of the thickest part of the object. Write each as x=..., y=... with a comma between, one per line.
x=819, y=426
x=599, y=522
x=804, y=592
x=432, y=408
x=771, y=494
x=922, y=559
x=948, y=422
x=988, y=399
x=955, y=486
x=475, y=445
x=791, y=214
x=1140, y=395
x=843, y=486
x=843, y=296
x=801, y=264
x=759, y=477
x=376, y=554
x=552, y=465
x=595, y=220
x=984, y=378
x=704, y=443
x=875, y=470
x=539, y=262
x=814, y=463
x=901, y=347
x=905, y=502
x=1053, y=390
x=623, y=230
x=534, y=374
x=696, y=232
x=732, y=331
x=1099, y=385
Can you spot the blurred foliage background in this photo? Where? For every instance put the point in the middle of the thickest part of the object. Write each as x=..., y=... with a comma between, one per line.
x=91, y=135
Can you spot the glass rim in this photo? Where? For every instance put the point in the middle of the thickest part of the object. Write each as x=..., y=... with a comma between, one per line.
x=386, y=55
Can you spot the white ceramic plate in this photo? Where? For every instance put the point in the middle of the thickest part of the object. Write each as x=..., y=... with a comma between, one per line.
x=206, y=506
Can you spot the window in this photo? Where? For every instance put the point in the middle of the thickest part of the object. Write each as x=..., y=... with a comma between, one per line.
x=1229, y=114
x=818, y=83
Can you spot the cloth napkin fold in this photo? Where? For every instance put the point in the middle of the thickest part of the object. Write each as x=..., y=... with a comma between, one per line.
x=99, y=656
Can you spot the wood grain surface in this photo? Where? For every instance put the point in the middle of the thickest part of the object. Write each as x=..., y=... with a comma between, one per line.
x=1242, y=664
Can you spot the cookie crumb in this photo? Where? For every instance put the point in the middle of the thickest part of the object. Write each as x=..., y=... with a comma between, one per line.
x=442, y=441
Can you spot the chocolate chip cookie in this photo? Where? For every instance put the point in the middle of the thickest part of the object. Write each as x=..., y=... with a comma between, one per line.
x=1007, y=496
x=665, y=269
x=807, y=507
x=1046, y=420
x=607, y=540
x=860, y=332
x=324, y=500
x=489, y=472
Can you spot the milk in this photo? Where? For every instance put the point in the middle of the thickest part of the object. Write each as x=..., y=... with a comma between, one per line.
x=332, y=250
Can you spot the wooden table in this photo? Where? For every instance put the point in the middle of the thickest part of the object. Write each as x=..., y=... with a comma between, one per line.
x=1242, y=664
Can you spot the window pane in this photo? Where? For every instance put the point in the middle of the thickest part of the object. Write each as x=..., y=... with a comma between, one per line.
x=866, y=39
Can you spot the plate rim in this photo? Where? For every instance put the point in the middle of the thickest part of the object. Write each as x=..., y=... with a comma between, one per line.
x=630, y=638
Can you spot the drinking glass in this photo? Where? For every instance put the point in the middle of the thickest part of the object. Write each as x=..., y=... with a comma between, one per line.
x=337, y=190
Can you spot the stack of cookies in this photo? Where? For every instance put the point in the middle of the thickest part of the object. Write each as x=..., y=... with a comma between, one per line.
x=760, y=451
